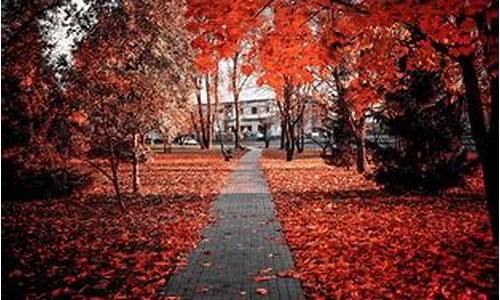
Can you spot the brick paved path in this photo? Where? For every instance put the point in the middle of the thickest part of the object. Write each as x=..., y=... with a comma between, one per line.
x=245, y=241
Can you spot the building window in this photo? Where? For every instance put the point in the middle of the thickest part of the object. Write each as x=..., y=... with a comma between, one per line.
x=268, y=109
x=254, y=110
x=249, y=128
x=241, y=110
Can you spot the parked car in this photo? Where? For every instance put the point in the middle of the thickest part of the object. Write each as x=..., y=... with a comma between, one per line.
x=189, y=142
x=185, y=140
x=157, y=141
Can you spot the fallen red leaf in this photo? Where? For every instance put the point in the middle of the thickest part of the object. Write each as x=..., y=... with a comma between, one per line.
x=352, y=239
x=261, y=291
x=89, y=236
x=261, y=278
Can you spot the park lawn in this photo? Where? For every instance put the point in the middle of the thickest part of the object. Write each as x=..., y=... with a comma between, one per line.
x=84, y=246
x=350, y=239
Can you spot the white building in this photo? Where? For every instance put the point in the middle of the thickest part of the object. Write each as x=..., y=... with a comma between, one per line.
x=254, y=115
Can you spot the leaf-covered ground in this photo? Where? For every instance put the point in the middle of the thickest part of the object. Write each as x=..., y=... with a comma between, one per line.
x=84, y=246
x=352, y=240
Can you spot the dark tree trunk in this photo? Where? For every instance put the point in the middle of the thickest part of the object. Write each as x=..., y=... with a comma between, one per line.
x=490, y=167
x=236, y=93
x=116, y=182
x=208, y=125
x=360, y=155
x=202, y=131
x=358, y=132
x=214, y=118
x=301, y=138
x=359, y=140
x=289, y=154
x=135, y=166
x=297, y=143
x=264, y=130
x=237, y=129
x=283, y=135
x=485, y=140
x=290, y=142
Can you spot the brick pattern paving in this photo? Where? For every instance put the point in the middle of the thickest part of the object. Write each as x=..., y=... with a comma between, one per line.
x=245, y=241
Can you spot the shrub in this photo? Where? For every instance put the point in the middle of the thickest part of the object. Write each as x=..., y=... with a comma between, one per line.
x=426, y=131
x=19, y=183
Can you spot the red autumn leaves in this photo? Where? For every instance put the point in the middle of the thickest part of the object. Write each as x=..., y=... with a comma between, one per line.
x=84, y=247
x=350, y=239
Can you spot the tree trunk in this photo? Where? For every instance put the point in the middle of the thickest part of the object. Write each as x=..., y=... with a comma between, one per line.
x=208, y=128
x=237, y=130
x=297, y=141
x=358, y=131
x=300, y=139
x=490, y=168
x=290, y=142
x=236, y=94
x=116, y=182
x=135, y=166
x=201, y=119
x=485, y=141
x=215, y=115
x=65, y=166
x=283, y=135
x=360, y=154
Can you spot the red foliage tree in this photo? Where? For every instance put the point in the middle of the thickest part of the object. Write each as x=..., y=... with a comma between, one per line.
x=37, y=116
x=427, y=35
x=384, y=39
x=225, y=30
x=128, y=79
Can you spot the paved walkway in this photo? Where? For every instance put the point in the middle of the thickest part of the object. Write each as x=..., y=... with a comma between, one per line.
x=246, y=241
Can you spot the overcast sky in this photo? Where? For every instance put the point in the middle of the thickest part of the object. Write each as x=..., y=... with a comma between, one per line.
x=250, y=91
x=62, y=32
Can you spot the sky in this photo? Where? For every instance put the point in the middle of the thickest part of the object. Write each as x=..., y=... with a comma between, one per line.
x=61, y=30
x=250, y=91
